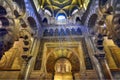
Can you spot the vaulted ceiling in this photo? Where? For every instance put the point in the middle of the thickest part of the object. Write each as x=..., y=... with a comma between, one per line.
x=63, y=6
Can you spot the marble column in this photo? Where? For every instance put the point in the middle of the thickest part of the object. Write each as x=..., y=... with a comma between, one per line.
x=104, y=66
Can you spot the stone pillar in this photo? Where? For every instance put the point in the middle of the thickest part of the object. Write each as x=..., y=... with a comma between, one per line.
x=104, y=66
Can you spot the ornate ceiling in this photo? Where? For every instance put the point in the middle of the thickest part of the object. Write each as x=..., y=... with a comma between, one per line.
x=62, y=6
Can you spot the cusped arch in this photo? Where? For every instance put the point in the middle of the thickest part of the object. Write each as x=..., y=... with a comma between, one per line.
x=71, y=56
x=7, y=25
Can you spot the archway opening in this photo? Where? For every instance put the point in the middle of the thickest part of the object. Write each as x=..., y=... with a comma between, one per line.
x=45, y=21
x=4, y=21
x=78, y=20
x=23, y=24
x=32, y=23
x=91, y=23
x=61, y=18
x=2, y=11
x=16, y=13
x=64, y=56
x=63, y=69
